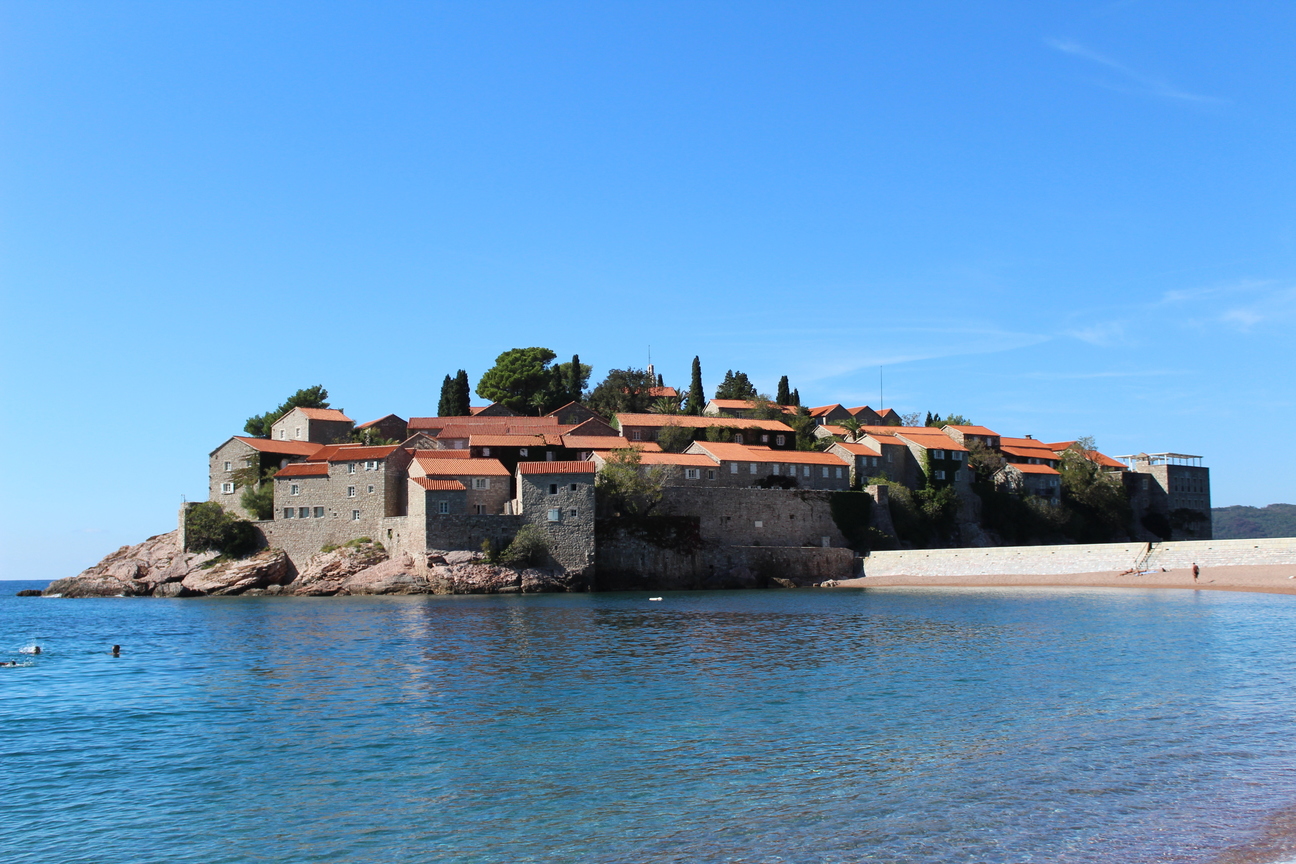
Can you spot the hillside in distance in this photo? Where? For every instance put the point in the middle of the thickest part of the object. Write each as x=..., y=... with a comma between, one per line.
x=1248, y=523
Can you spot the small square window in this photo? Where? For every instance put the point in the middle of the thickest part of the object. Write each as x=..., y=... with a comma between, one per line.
x=355, y=515
x=572, y=512
x=938, y=454
x=958, y=455
x=371, y=488
x=549, y=456
x=780, y=439
x=553, y=488
x=443, y=507
x=319, y=512
x=555, y=514
x=227, y=466
x=940, y=475
x=733, y=467
x=764, y=439
x=711, y=475
x=294, y=489
x=636, y=435
x=350, y=491
x=573, y=487
x=737, y=439
x=692, y=473
x=350, y=467
x=303, y=512
x=481, y=482
x=522, y=451
x=227, y=488
x=290, y=512
x=485, y=451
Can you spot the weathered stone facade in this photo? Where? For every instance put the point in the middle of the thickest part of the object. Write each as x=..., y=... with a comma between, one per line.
x=559, y=498
x=317, y=425
x=756, y=517
x=740, y=466
x=240, y=453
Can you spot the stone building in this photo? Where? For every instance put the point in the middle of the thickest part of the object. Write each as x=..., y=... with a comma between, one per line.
x=390, y=427
x=559, y=498
x=967, y=435
x=1174, y=486
x=487, y=482
x=647, y=427
x=677, y=469
x=863, y=460
x=1042, y=481
x=344, y=485
x=940, y=458
x=741, y=465
x=229, y=462
x=318, y=425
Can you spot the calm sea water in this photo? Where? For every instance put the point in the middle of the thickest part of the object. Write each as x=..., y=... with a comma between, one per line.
x=896, y=725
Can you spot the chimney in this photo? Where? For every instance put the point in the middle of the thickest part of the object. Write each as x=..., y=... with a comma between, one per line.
x=1028, y=436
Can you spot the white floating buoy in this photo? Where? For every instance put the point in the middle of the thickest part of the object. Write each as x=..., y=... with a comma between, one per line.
x=654, y=598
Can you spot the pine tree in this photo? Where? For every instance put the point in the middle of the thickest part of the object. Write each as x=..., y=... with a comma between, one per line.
x=784, y=396
x=462, y=395
x=696, y=395
x=447, y=398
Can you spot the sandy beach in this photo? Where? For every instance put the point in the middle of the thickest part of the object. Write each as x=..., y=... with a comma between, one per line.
x=1267, y=578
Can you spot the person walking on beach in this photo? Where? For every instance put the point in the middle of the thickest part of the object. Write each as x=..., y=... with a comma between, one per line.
x=1196, y=571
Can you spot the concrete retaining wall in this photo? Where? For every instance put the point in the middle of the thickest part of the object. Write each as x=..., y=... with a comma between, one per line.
x=1092, y=558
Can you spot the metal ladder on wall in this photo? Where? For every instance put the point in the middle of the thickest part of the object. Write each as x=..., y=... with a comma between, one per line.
x=1140, y=563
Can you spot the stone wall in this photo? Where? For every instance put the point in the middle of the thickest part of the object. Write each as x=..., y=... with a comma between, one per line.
x=571, y=534
x=236, y=454
x=627, y=564
x=1091, y=558
x=756, y=517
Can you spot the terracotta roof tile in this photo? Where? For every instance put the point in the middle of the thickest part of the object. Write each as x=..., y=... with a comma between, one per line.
x=858, y=449
x=462, y=467
x=324, y=414
x=506, y=440
x=975, y=430
x=932, y=439
x=349, y=453
x=379, y=420
x=286, y=448
x=1033, y=469
x=555, y=467
x=687, y=420
x=439, y=485
x=304, y=469
x=836, y=430
x=747, y=453
x=1030, y=452
x=607, y=442
x=442, y=454
x=825, y=409
x=1101, y=458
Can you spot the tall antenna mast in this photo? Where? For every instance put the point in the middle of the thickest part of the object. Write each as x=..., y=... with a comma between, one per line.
x=881, y=398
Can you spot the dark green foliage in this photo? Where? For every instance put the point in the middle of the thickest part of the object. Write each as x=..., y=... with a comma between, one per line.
x=530, y=548
x=1190, y=522
x=623, y=487
x=520, y=380
x=853, y=513
x=209, y=528
x=952, y=420
x=735, y=386
x=783, y=395
x=259, y=500
x=664, y=405
x=371, y=437
x=923, y=518
x=454, y=396
x=623, y=391
x=804, y=426
x=765, y=408
x=259, y=425
x=675, y=439
x=696, y=400
x=1099, y=507
x=443, y=406
x=1020, y=521
x=577, y=374
x=1249, y=523
x=796, y=398
x=1158, y=524
x=719, y=434
x=984, y=461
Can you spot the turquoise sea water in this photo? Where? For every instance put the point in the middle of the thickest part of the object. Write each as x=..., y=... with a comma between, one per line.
x=979, y=725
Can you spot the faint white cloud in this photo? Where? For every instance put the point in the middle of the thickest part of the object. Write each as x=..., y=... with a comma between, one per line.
x=1273, y=306
x=1104, y=334
x=1085, y=376
x=1135, y=82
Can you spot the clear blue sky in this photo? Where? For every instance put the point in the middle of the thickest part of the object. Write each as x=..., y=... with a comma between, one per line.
x=1057, y=219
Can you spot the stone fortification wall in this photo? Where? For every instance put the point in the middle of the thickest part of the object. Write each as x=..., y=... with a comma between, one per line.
x=1092, y=558
x=466, y=532
x=756, y=517
x=626, y=564
x=302, y=539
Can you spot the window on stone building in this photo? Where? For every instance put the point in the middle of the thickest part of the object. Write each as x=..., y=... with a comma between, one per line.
x=297, y=432
x=692, y=474
x=711, y=474
x=481, y=482
x=227, y=466
x=485, y=451
x=350, y=467
x=635, y=435
x=443, y=507
x=779, y=440
x=294, y=489
x=303, y=512
x=522, y=451
x=555, y=515
x=754, y=467
x=573, y=487
x=737, y=439
x=764, y=439
x=825, y=471
x=940, y=475
x=350, y=491
x=839, y=473
x=957, y=455
x=227, y=488
x=958, y=475
x=290, y=512
x=371, y=488
x=283, y=434
x=774, y=468
x=479, y=509
x=938, y=454
x=572, y=512
x=549, y=456
x=553, y=488
x=319, y=512
x=805, y=472
x=355, y=515
x=733, y=467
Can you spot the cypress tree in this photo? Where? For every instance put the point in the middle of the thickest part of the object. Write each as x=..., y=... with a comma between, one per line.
x=574, y=379
x=660, y=382
x=696, y=395
x=796, y=398
x=447, y=394
x=784, y=396
x=461, y=395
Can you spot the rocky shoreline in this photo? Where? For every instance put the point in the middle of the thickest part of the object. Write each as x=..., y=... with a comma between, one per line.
x=158, y=567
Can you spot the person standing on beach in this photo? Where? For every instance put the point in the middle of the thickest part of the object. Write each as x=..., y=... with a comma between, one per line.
x=1196, y=571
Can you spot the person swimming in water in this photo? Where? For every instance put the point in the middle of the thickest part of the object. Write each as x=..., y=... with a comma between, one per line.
x=116, y=651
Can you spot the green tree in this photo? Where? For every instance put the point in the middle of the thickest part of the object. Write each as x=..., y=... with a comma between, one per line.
x=1100, y=507
x=696, y=400
x=447, y=394
x=529, y=548
x=209, y=528
x=258, y=426
x=624, y=486
x=623, y=391
x=804, y=426
x=664, y=405
x=674, y=439
x=796, y=398
x=462, y=395
x=259, y=500
x=784, y=395
x=517, y=376
x=577, y=375
x=984, y=461
x=735, y=386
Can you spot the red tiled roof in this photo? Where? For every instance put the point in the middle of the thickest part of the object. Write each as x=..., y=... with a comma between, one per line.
x=931, y=439
x=676, y=459
x=606, y=442
x=379, y=420
x=824, y=409
x=659, y=420
x=747, y=453
x=417, y=423
x=324, y=414
x=442, y=454
x=859, y=409
x=1030, y=452
x=439, y=485
x=895, y=430
x=886, y=412
x=974, y=430
x=1033, y=469
x=858, y=449
x=1094, y=456
x=746, y=405
x=836, y=430
x=463, y=467
x=304, y=469
x=287, y=448
x=355, y=453
x=659, y=392
x=555, y=467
